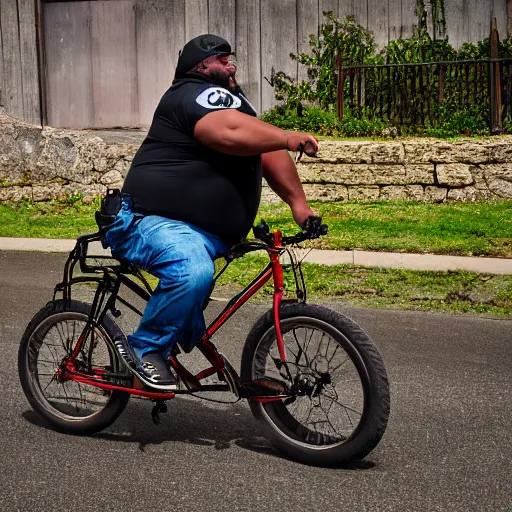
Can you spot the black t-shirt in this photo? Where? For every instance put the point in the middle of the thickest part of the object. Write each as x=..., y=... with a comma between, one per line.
x=175, y=176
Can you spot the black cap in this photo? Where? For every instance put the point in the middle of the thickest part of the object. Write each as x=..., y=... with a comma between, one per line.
x=198, y=49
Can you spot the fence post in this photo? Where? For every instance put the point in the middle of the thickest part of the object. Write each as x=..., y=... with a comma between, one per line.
x=341, y=88
x=495, y=81
x=441, y=83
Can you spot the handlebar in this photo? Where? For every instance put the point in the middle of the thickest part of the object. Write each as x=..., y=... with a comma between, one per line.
x=312, y=228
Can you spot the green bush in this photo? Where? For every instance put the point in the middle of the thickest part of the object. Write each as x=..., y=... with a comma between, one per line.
x=346, y=38
x=452, y=122
x=310, y=105
x=325, y=122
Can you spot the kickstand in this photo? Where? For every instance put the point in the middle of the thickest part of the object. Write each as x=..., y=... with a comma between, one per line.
x=158, y=408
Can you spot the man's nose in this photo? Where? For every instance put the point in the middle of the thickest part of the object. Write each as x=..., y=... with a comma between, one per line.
x=231, y=67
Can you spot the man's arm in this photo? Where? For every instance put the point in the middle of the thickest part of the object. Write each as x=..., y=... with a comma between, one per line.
x=280, y=172
x=235, y=133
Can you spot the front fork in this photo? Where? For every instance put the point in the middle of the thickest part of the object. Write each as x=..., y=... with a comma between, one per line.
x=277, y=271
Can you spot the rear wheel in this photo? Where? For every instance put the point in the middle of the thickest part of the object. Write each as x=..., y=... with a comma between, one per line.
x=340, y=406
x=50, y=337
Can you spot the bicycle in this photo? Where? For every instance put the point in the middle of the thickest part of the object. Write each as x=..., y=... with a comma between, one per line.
x=311, y=375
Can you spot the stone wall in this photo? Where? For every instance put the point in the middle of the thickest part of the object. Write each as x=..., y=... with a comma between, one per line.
x=417, y=169
x=41, y=164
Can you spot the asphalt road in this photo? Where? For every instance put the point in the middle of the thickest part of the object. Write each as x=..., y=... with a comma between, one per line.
x=447, y=447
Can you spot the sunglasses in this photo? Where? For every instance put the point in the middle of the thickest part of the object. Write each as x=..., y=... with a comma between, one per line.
x=225, y=59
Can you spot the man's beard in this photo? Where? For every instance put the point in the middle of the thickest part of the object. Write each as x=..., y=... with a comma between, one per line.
x=224, y=81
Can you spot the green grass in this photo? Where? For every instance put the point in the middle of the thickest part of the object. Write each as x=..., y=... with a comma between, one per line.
x=454, y=292
x=448, y=292
x=469, y=229
x=456, y=228
x=52, y=219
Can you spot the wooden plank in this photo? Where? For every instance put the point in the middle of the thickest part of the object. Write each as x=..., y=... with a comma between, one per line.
x=278, y=40
x=456, y=12
x=395, y=19
x=307, y=25
x=499, y=11
x=509, y=17
x=409, y=19
x=327, y=6
x=479, y=19
x=248, y=50
x=361, y=9
x=222, y=19
x=13, y=81
x=347, y=8
x=114, y=64
x=160, y=29
x=2, y=90
x=69, y=64
x=196, y=18
x=378, y=22
x=29, y=63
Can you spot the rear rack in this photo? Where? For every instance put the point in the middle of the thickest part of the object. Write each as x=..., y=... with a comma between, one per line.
x=113, y=272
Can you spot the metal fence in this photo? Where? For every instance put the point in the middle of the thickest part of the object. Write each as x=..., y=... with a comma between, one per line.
x=420, y=95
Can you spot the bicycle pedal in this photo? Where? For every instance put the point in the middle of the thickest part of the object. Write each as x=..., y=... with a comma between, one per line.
x=159, y=407
x=266, y=386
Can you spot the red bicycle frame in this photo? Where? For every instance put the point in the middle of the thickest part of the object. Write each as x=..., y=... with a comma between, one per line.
x=109, y=284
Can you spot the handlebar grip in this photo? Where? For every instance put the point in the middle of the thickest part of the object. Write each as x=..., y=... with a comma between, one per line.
x=311, y=228
x=314, y=227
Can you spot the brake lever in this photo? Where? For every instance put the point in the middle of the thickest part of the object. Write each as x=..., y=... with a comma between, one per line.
x=299, y=153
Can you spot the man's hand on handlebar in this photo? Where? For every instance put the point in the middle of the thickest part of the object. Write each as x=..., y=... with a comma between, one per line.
x=302, y=142
x=311, y=228
x=301, y=212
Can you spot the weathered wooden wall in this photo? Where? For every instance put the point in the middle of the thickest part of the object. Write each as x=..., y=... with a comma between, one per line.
x=109, y=61
x=19, y=76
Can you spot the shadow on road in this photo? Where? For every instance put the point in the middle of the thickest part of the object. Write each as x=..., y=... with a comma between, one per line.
x=193, y=423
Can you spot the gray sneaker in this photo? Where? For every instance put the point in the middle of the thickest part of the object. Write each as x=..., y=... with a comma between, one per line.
x=152, y=369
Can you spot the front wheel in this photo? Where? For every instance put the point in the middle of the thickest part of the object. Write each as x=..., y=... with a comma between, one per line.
x=340, y=404
x=50, y=337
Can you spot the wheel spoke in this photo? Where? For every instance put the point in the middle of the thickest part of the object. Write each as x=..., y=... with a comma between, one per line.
x=333, y=366
x=48, y=361
x=314, y=354
x=51, y=380
x=301, y=350
x=53, y=342
x=345, y=407
x=60, y=331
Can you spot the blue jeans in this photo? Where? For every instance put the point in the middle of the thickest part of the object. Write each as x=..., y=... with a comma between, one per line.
x=181, y=256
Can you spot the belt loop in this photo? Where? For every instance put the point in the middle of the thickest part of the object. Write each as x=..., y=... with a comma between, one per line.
x=126, y=201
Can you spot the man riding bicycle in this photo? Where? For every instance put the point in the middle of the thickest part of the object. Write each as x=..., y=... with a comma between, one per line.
x=192, y=191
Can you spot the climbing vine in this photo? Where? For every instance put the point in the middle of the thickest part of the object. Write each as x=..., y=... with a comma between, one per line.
x=438, y=16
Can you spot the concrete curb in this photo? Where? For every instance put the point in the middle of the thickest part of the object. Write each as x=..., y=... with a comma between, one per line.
x=411, y=261
x=323, y=257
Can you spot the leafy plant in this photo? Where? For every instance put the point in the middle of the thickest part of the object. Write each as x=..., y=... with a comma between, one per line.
x=418, y=48
x=413, y=99
x=452, y=122
x=326, y=122
x=351, y=42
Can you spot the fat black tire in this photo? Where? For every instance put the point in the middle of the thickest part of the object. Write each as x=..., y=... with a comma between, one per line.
x=50, y=321
x=286, y=432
